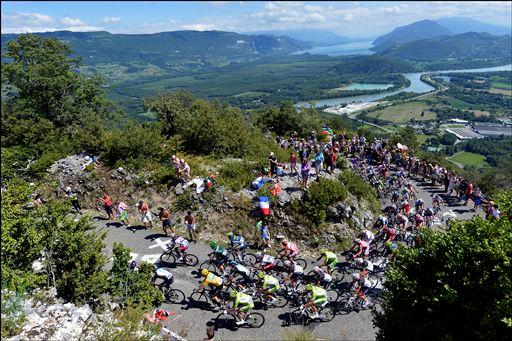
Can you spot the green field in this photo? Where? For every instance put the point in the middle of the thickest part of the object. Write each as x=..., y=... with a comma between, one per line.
x=402, y=113
x=500, y=85
x=460, y=104
x=469, y=159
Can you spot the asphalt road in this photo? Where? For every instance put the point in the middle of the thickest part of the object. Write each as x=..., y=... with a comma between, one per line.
x=148, y=245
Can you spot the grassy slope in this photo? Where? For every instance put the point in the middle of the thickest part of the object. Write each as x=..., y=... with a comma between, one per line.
x=470, y=159
x=404, y=112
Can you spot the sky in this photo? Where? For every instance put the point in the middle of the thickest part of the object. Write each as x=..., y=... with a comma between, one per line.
x=348, y=18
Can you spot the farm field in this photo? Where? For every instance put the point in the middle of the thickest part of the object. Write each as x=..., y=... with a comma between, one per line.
x=469, y=159
x=402, y=113
x=501, y=91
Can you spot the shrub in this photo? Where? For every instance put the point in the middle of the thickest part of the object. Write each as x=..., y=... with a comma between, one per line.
x=12, y=313
x=360, y=188
x=185, y=201
x=320, y=195
x=236, y=175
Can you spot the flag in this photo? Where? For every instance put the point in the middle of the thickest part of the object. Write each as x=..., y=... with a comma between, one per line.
x=327, y=131
x=264, y=205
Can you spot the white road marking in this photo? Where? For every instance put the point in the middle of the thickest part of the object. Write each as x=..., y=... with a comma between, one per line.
x=151, y=258
x=160, y=243
x=133, y=256
x=450, y=213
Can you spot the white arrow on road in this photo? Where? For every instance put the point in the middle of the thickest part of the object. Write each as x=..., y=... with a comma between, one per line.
x=160, y=243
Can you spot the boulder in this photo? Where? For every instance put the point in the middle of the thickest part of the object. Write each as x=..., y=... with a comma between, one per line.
x=69, y=307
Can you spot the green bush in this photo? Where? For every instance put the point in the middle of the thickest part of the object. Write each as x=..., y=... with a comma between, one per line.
x=12, y=313
x=320, y=195
x=185, y=201
x=236, y=175
x=360, y=188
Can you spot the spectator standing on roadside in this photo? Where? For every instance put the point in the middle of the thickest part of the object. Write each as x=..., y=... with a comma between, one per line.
x=293, y=163
x=165, y=218
x=469, y=192
x=305, y=167
x=122, y=210
x=176, y=165
x=190, y=221
x=184, y=169
x=71, y=194
x=145, y=213
x=108, y=206
x=273, y=164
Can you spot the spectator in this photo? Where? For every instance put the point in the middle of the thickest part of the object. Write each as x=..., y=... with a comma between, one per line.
x=165, y=218
x=145, y=213
x=108, y=206
x=70, y=193
x=184, y=169
x=191, y=226
x=273, y=164
x=122, y=211
x=293, y=163
x=305, y=167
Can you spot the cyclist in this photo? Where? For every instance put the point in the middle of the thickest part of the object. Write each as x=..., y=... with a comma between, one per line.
x=290, y=250
x=267, y=262
x=389, y=233
x=237, y=243
x=219, y=253
x=395, y=196
x=215, y=283
x=360, y=283
x=429, y=216
x=180, y=246
x=437, y=201
x=318, y=298
x=419, y=205
x=295, y=272
x=322, y=277
x=368, y=236
x=406, y=207
x=329, y=261
x=401, y=221
x=242, y=303
x=166, y=277
x=382, y=220
x=269, y=285
x=418, y=220
x=361, y=246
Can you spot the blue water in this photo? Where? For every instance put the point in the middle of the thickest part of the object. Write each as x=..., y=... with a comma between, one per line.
x=361, y=47
x=416, y=86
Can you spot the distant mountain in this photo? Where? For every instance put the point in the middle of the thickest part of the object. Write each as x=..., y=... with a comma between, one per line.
x=315, y=37
x=466, y=45
x=418, y=30
x=460, y=25
x=162, y=48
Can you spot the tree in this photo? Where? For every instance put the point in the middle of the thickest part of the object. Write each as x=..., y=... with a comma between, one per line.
x=456, y=285
x=50, y=101
x=448, y=139
x=406, y=136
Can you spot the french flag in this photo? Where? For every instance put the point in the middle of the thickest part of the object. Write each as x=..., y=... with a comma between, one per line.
x=264, y=205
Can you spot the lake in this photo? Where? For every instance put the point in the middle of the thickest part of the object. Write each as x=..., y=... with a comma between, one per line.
x=416, y=86
x=361, y=47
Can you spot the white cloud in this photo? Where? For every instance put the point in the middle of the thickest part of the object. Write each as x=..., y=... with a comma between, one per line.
x=218, y=3
x=30, y=19
x=67, y=21
x=110, y=20
x=199, y=27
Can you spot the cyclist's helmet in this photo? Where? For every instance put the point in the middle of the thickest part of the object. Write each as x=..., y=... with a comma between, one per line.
x=233, y=294
x=261, y=274
x=213, y=244
x=308, y=287
x=205, y=272
x=229, y=234
x=259, y=255
x=323, y=251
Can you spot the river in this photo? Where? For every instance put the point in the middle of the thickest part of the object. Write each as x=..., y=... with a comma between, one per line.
x=416, y=86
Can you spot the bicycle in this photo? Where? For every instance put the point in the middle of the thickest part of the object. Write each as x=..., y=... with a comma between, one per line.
x=171, y=256
x=299, y=261
x=228, y=318
x=304, y=316
x=354, y=303
x=279, y=302
x=241, y=255
x=171, y=294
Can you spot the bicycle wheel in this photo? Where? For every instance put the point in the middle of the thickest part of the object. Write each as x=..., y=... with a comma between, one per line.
x=175, y=296
x=337, y=275
x=280, y=302
x=191, y=260
x=333, y=296
x=250, y=259
x=208, y=265
x=167, y=257
x=198, y=298
x=301, y=262
x=327, y=314
x=255, y=320
x=299, y=317
x=224, y=320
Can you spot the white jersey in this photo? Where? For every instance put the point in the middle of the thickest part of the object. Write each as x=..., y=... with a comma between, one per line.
x=242, y=269
x=181, y=241
x=297, y=269
x=369, y=236
x=267, y=259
